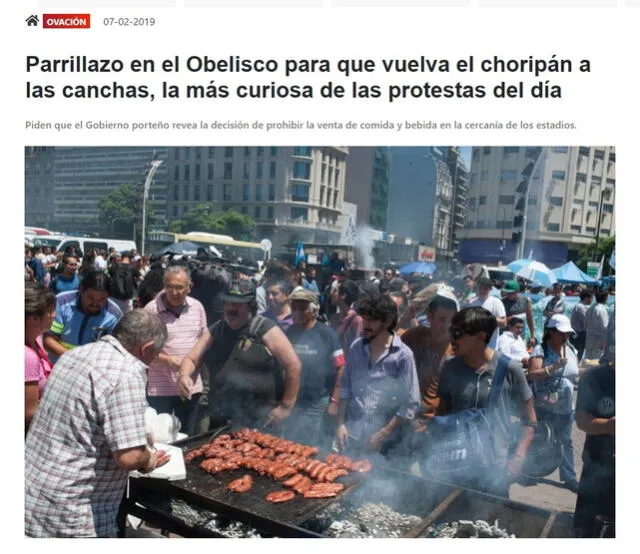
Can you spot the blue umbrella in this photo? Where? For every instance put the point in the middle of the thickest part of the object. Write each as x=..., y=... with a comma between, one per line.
x=517, y=265
x=425, y=268
x=537, y=271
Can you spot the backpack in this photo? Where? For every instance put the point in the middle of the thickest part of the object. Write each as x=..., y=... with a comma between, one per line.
x=122, y=283
x=209, y=282
x=460, y=445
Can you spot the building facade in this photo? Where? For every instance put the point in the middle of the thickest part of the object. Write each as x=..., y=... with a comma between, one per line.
x=571, y=200
x=460, y=181
x=39, y=192
x=421, y=198
x=367, y=184
x=78, y=177
x=293, y=193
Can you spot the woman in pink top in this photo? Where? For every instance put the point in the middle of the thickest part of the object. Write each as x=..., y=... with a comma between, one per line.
x=39, y=309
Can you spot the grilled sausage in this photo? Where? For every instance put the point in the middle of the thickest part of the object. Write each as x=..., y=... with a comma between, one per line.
x=283, y=471
x=292, y=481
x=316, y=470
x=309, y=451
x=280, y=496
x=303, y=486
x=322, y=474
x=241, y=485
x=334, y=474
x=320, y=494
x=327, y=487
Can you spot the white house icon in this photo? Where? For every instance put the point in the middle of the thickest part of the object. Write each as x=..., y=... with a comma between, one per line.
x=32, y=21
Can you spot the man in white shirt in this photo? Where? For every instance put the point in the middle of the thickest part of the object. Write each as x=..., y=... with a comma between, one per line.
x=484, y=299
x=99, y=262
x=511, y=343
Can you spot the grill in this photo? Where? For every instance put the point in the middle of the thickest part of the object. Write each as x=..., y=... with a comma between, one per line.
x=432, y=502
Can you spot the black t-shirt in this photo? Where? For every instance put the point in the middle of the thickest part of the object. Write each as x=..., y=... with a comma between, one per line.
x=225, y=338
x=515, y=307
x=597, y=397
x=320, y=353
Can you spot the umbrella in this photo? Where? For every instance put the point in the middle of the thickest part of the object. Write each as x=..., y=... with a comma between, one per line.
x=426, y=268
x=537, y=271
x=517, y=265
x=183, y=248
x=571, y=273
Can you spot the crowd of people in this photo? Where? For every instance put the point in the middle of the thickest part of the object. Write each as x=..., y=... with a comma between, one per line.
x=372, y=367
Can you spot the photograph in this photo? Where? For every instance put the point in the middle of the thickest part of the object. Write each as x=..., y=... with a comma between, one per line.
x=320, y=341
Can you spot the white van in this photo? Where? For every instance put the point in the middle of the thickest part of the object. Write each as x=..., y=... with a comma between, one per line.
x=84, y=244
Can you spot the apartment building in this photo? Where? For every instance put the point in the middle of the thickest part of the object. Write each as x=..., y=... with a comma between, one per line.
x=421, y=198
x=293, y=193
x=39, y=191
x=459, y=180
x=571, y=200
x=367, y=184
x=77, y=178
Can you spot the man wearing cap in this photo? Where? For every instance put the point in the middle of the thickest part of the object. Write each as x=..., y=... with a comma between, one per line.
x=254, y=373
x=484, y=299
x=431, y=346
x=322, y=359
x=518, y=305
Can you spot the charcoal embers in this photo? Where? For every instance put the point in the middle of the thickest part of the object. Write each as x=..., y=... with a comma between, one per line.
x=368, y=521
x=196, y=517
x=464, y=529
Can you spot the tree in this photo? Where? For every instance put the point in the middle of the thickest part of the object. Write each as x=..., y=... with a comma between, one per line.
x=589, y=253
x=239, y=226
x=119, y=208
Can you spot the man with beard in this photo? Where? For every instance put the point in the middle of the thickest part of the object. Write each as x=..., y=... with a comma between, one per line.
x=82, y=316
x=431, y=346
x=254, y=373
x=379, y=391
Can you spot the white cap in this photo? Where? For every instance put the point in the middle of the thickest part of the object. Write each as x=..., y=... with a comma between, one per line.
x=561, y=323
x=446, y=292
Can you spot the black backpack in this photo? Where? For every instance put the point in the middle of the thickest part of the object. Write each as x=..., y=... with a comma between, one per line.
x=209, y=282
x=122, y=283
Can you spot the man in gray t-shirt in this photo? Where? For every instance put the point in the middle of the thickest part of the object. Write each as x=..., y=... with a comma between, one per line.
x=462, y=387
x=466, y=382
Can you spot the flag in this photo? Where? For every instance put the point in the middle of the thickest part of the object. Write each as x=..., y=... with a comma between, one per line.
x=612, y=259
x=599, y=275
x=300, y=257
x=530, y=257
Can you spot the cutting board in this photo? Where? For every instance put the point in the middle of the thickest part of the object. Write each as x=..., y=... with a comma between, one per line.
x=173, y=470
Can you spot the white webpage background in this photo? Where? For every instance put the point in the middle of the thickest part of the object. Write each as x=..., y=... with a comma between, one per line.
x=603, y=105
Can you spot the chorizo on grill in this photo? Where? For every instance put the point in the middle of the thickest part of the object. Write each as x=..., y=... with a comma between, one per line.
x=241, y=485
x=280, y=496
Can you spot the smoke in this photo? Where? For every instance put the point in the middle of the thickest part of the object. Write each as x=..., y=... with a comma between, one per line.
x=364, y=246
